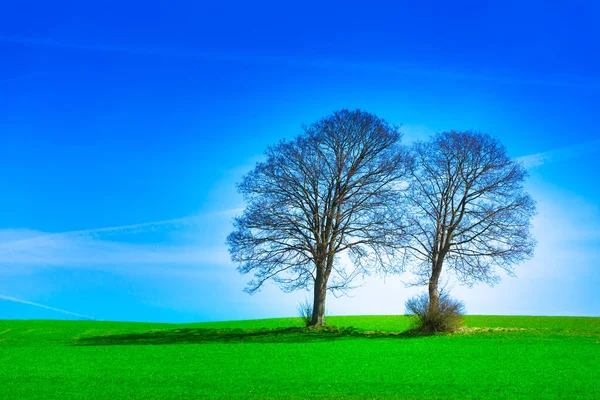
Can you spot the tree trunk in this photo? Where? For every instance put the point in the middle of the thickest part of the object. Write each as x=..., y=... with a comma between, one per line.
x=320, y=292
x=434, y=294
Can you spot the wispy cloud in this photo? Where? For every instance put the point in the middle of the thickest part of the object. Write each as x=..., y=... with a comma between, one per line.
x=132, y=228
x=103, y=248
x=271, y=59
x=31, y=303
x=565, y=153
x=15, y=78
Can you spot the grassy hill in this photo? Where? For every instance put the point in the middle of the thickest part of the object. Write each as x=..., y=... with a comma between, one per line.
x=496, y=357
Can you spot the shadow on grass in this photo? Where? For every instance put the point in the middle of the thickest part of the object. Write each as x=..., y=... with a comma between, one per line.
x=276, y=335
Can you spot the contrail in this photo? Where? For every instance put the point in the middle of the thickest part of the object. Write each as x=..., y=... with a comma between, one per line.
x=14, y=299
x=112, y=229
x=564, y=153
x=229, y=56
x=15, y=78
x=122, y=228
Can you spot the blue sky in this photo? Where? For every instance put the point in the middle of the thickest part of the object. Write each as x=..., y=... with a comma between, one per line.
x=124, y=128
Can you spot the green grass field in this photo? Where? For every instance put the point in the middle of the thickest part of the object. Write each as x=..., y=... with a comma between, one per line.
x=495, y=358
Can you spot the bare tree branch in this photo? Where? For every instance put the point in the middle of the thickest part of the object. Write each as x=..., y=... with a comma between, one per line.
x=334, y=189
x=467, y=210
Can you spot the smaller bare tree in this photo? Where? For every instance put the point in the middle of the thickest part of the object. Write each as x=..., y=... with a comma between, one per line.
x=468, y=211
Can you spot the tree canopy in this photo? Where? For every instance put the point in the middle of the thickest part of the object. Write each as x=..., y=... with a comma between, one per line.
x=334, y=189
x=467, y=210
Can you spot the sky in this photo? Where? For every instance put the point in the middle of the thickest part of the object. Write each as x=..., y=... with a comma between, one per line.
x=124, y=127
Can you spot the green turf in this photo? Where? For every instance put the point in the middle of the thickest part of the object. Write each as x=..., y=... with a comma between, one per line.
x=497, y=358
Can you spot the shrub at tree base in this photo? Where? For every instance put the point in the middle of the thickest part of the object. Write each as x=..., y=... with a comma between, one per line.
x=447, y=318
x=305, y=311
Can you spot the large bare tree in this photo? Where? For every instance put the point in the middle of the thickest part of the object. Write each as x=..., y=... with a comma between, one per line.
x=333, y=189
x=467, y=210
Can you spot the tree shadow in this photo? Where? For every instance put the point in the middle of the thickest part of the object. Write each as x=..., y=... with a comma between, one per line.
x=199, y=335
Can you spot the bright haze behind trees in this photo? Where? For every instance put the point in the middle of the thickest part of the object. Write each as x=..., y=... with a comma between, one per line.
x=467, y=210
x=335, y=189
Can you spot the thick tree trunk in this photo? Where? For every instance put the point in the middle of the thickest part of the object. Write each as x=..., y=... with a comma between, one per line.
x=320, y=292
x=434, y=294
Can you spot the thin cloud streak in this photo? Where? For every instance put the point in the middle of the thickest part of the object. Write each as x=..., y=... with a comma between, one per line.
x=238, y=56
x=133, y=228
x=565, y=153
x=90, y=232
x=31, y=303
x=15, y=78
x=108, y=256
x=89, y=248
